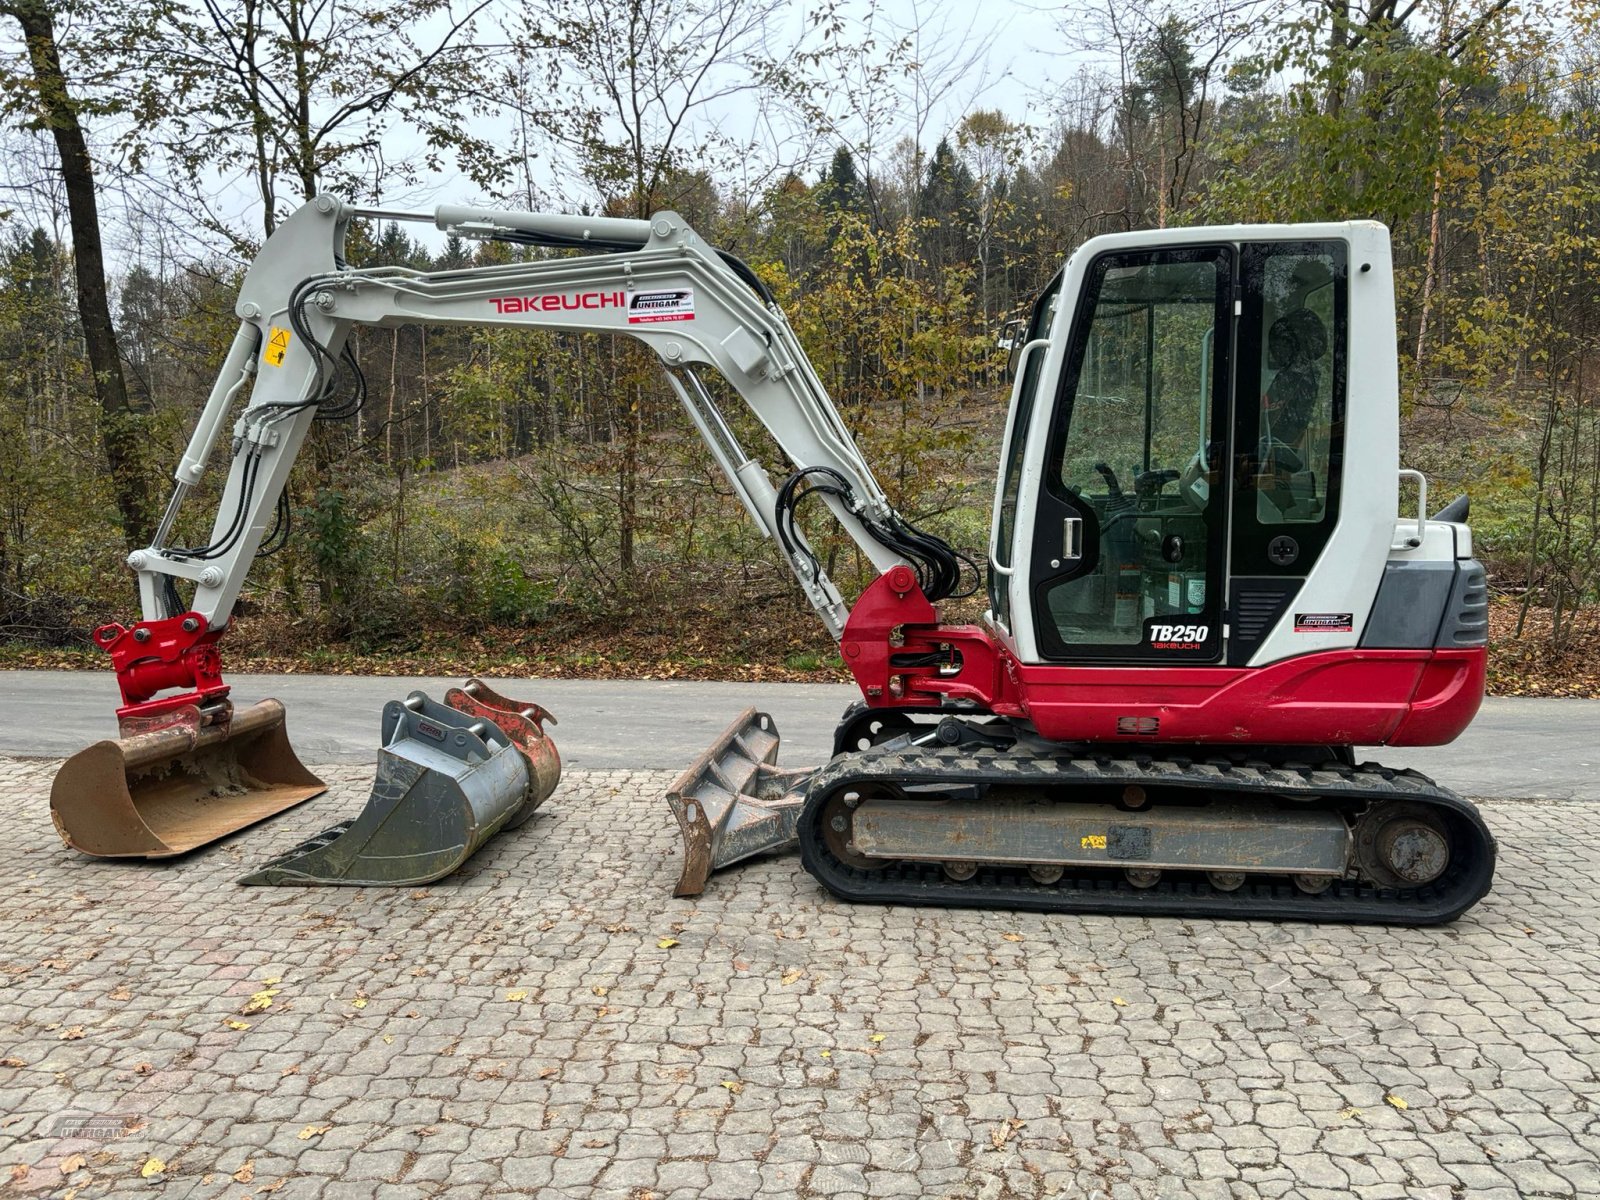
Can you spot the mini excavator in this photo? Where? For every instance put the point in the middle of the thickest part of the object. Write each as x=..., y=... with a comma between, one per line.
x=1202, y=593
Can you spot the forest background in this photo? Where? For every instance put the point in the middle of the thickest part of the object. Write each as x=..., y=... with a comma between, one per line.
x=534, y=503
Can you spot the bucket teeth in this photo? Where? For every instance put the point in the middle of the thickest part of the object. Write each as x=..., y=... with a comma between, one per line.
x=450, y=776
x=734, y=802
x=170, y=787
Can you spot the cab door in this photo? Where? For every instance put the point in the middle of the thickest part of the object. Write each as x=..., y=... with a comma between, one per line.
x=1128, y=540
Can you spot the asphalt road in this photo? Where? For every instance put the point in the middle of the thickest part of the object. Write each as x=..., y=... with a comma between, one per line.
x=1517, y=748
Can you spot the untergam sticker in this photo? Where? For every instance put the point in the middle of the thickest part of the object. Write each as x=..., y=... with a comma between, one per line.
x=674, y=304
x=1324, y=623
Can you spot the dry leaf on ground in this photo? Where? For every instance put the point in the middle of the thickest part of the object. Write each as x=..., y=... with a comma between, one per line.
x=1004, y=1132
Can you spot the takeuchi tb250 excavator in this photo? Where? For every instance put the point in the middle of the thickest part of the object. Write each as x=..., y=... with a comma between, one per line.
x=1202, y=592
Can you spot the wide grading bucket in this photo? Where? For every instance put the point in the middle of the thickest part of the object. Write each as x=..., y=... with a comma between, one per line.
x=166, y=791
x=450, y=776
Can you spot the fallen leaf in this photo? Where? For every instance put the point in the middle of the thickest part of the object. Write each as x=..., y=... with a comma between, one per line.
x=546, y=1072
x=246, y=1173
x=389, y=957
x=740, y=965
x=70, y=1194
x=388, y=1039
x=602, y=1011
x=733, y=1085
x=121, y=993
x=1004, y=1132
x=292, y=1069
x=827, y=1054
x=1119, y=1002
x=311, y=1131
x=12, y=1061
x=237, y=1024
x=1011, y=937
x=792, y=974
x=359, y=1002
x=19, y=1172
x=517, y=996
x=72, y=1033
x=261, y=1000
x=619, y=928
x=599, y=991
x=73, y=1162
x=269, y=1188
x=1346, y=1114
x=877, y=1037
x=594, y=1143
x=143, y=1068
x=666, y=943
x=270, y=980
x=152, y=1166
x=1394, y=1101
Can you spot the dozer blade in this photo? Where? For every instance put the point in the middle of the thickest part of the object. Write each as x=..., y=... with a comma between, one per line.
x=734, y=802
x=165, y=791
x=447, y=782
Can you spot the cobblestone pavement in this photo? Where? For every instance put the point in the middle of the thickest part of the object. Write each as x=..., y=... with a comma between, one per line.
x=549, y=1021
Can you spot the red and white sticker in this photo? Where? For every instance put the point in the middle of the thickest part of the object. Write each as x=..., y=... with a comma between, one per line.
x=1324, y=623
x=668, y=304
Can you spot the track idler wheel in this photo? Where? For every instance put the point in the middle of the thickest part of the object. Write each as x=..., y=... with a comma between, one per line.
x=1402, y=845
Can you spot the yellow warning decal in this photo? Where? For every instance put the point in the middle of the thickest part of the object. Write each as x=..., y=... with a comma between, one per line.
x=1095, y=841
x=277, y=346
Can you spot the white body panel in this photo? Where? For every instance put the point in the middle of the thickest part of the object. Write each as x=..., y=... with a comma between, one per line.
x=1346, y=575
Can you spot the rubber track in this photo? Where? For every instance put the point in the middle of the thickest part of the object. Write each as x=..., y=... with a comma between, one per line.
x=1178, y=894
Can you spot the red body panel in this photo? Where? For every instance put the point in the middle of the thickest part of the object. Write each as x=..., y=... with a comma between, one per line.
x=1422, y=697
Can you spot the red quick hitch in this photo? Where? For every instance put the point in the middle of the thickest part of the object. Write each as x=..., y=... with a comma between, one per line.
x=902, y=656
x=157, y=656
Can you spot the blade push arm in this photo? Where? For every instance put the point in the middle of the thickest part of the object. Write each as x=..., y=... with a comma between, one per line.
x=653, y=280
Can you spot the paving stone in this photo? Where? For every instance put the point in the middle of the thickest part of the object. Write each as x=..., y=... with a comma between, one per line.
x=1230, y=1069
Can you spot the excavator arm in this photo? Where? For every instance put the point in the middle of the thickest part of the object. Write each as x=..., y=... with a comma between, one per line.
x=654, y=280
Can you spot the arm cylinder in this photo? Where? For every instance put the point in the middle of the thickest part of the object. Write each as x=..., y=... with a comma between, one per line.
x=604, y=230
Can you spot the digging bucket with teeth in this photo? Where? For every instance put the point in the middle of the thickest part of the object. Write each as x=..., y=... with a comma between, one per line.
x=450, y=776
